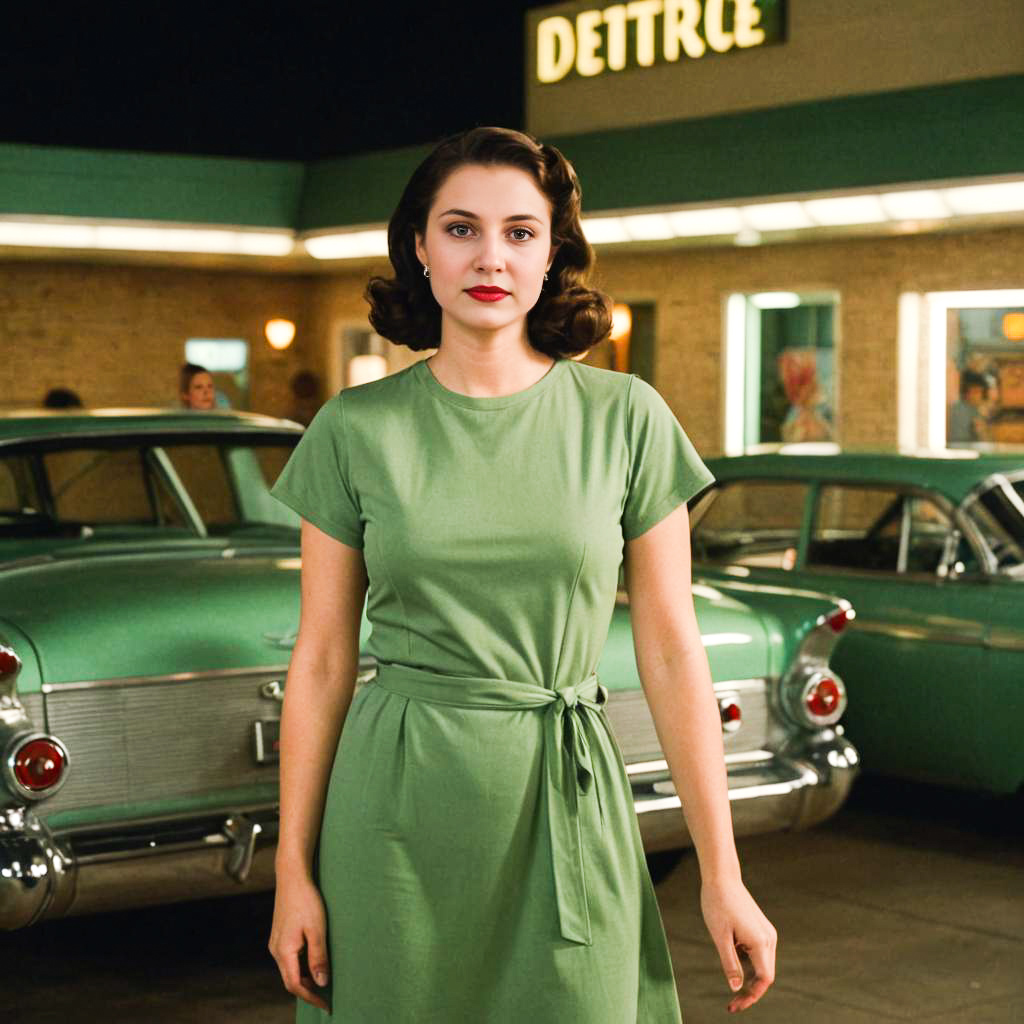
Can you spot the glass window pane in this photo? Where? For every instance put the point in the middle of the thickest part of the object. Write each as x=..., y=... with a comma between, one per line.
x=929, y=529
x=203, y=473
x=857, y=527
x=752, y=522
x=96, y=486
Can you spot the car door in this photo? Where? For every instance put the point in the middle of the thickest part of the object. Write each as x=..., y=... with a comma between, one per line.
x=914, y=659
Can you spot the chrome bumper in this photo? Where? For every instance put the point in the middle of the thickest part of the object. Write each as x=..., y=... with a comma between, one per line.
x=46, y=875
x=800, y=786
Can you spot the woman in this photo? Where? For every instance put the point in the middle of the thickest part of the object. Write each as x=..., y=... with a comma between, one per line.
x=196, y=387
x=468, y=851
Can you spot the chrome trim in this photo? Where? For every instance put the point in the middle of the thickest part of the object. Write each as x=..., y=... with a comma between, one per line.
x=1001, y=638
x=178, y=490
x=175, y=677
x=946, y=634
x=10, y=777
x=143, y=430
x=804, y=785
x=37, y=874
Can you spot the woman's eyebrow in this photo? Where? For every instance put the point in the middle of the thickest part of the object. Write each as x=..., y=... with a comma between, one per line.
x=473, y=216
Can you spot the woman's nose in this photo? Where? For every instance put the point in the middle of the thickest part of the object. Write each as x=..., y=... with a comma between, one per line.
x=490, y=255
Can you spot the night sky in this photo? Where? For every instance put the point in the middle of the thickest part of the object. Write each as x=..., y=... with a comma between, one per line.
x=308, y=81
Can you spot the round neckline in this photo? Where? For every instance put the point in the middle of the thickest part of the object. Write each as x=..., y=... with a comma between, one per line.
x=435, y=387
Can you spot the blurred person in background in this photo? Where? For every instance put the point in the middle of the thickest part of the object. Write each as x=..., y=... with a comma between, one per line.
x=62, y=398
x=196, y=387
x=968, y=420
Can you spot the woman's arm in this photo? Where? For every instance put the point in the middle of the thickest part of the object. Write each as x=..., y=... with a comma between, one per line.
x=677, y=683
x=318, y=691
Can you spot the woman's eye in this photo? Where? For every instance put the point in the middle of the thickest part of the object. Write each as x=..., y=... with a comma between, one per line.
x=459, y=230
x=521, y=234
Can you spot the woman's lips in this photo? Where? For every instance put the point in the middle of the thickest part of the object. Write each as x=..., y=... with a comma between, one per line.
x=484, y=293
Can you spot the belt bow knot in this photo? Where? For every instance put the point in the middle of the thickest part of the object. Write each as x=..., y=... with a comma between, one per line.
x=570, y=713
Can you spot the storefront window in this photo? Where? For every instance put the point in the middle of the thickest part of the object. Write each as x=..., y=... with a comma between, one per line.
x=781, y=368
x=985, y=375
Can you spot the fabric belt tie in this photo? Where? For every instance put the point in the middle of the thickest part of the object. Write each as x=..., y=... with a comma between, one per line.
x=571, y=712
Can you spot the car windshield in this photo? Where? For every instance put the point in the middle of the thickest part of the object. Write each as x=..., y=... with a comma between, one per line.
x=116, y=487
x=998, y=513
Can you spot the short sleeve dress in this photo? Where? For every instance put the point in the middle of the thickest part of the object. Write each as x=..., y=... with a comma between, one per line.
x=480, y=858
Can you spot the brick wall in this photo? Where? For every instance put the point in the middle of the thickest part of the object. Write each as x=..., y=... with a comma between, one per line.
x=116, y=333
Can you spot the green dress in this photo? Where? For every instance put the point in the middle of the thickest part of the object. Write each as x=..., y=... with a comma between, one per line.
x=480, y=858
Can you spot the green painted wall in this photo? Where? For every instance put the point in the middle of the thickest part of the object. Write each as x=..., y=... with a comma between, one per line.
x=949, y=131
x=952, y=131
x=66, y=182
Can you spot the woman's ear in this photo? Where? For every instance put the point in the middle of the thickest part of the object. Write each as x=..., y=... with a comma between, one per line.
x=421, y=252
x=551, y=256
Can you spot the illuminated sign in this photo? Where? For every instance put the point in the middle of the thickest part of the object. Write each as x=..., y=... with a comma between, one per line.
x=646, y=32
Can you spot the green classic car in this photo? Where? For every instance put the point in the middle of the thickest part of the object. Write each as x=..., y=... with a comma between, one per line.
x=148, y=602
x=929, y=548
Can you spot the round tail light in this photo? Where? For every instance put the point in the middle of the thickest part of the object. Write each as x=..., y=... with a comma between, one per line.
x=10, y=663
x=731, y=712
x=824, y=699
x=37, y=765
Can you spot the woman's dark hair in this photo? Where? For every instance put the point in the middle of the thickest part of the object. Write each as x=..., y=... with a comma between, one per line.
x=568, y=318
x=188, y=371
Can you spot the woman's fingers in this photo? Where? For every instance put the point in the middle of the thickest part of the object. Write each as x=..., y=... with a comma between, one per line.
x=316, y=955
x=760, y=974
x=295, y=981
x=730, y=961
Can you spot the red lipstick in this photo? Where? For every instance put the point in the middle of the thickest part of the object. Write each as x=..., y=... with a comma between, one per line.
x=487, y=293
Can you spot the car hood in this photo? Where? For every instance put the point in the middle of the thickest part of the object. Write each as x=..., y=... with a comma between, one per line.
x=734, y=638
x=106, y=617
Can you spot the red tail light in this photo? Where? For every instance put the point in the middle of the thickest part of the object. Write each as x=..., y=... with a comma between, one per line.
x=731, y=712
x=38, y=764
x=10, y=663
x=838, y=619
x=824, y=697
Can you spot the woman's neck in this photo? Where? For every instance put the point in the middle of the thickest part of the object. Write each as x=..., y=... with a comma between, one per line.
x=500, y=363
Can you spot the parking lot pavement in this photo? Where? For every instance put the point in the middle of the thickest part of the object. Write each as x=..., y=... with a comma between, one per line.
x=908, y=906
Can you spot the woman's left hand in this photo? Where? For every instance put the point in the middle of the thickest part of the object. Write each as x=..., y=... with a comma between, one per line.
x=738, y=927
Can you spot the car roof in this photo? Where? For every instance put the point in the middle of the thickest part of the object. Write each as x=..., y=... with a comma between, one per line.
x=24, y=424
x=952, y=471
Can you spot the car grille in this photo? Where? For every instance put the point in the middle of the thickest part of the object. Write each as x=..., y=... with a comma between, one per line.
x=169, y=739
x=159, y=740
x=633, y=726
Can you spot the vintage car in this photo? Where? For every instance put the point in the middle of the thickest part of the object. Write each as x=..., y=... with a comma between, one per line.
x=148, y=604
x=929, y=548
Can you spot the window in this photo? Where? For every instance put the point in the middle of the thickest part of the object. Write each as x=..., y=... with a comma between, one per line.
x=134, y=485
x=780, y=383
x=752, y=522
x=878, y=529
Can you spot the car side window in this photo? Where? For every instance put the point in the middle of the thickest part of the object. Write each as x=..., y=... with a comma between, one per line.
x=878, y=528
x=856, y=527
x=930, y=528
x=751, y=522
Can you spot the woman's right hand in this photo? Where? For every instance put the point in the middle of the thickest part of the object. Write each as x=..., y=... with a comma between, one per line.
x=300, y=921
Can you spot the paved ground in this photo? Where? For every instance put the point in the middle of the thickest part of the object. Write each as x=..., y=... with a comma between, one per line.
x=908, y=906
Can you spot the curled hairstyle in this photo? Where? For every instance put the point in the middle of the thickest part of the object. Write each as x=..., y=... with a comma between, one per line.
x=568, y=318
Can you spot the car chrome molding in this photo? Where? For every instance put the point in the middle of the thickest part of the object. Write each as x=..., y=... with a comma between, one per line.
x=175, y=677
x=946, y=634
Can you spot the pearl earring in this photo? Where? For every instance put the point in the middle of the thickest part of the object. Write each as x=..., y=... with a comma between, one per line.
x=426, y=271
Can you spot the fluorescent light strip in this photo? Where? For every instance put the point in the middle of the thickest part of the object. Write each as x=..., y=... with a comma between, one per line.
x=795, y=215
x=348, y=245
x=149, y=238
